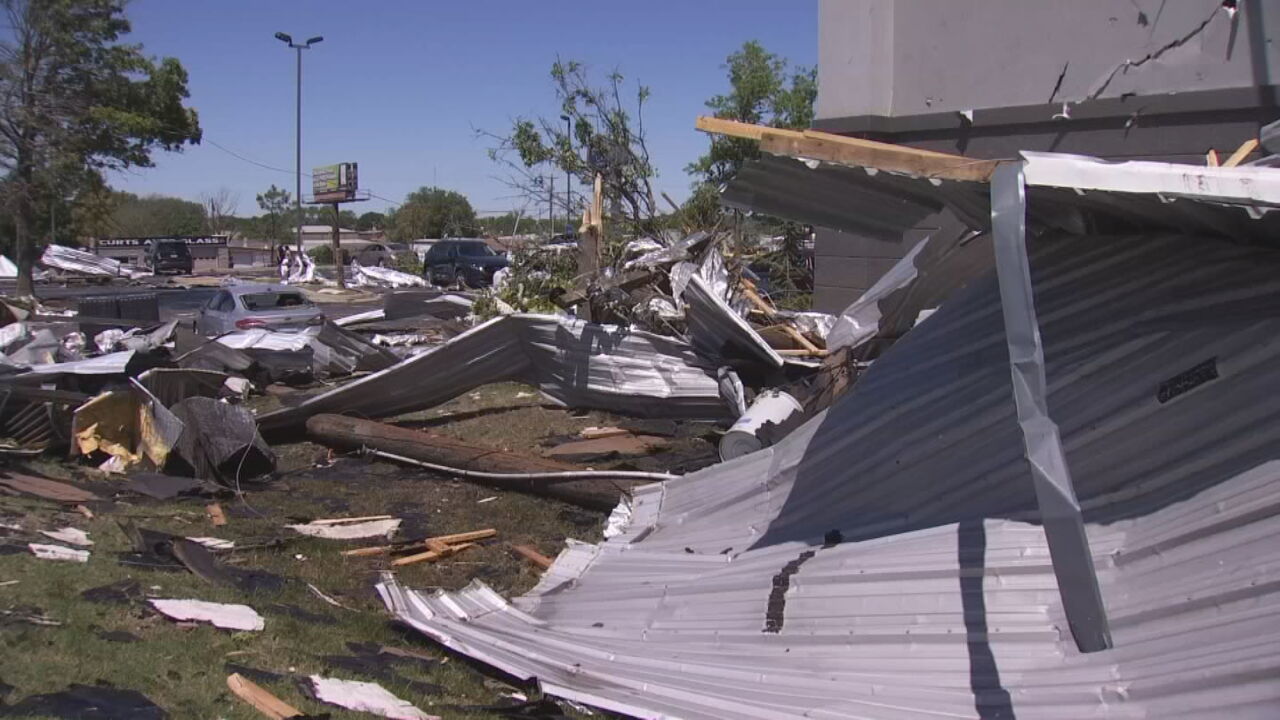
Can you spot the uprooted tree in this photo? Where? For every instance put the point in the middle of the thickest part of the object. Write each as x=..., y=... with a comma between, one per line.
x=763, y=90
x=75, y=101
x=600, y=131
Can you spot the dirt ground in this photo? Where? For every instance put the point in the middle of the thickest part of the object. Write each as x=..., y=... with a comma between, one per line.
x=183, y=669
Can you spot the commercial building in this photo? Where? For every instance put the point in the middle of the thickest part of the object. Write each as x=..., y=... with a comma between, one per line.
x=986, y=78
x=208, y=252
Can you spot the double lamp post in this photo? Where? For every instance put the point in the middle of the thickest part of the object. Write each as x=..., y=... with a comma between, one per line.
x=288, y=40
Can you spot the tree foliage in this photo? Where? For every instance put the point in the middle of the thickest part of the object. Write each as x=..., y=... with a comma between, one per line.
x=153, y=215
x=432, y=212
x=274, y=222
x=371, y=221
x=74, y=101
x=763, y=90
x=604, y=135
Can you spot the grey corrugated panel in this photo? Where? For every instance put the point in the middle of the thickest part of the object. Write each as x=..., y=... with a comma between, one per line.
x=920, y=467
x=720, y=333
x=572, y=361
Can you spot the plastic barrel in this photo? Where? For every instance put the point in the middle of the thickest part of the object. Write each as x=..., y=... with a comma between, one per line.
x=770, y=406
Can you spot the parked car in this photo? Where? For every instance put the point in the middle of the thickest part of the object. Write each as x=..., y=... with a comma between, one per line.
x=381, y=254
x=169, y=256
x=466, y=262
x=250, y=306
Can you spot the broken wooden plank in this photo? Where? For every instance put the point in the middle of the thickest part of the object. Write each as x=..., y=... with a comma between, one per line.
x=445, y=539
x=264, y=702
x=804, y=353
x=854, y=152
x=46, y=488
x=1241, y=152
x=432, y=555
x=1211, y=158
x=881, y=156
x=348, y=432
x=735, y=128
x=530, y=553
x=343, y=521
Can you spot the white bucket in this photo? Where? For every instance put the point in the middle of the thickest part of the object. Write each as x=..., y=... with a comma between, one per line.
x=770, y=406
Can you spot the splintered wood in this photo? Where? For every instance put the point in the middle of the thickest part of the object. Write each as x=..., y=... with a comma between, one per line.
x=432, y=549
x=261, y=700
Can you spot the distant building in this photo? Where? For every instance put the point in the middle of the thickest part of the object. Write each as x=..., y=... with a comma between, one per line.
x=208, y=252
x=314, y=236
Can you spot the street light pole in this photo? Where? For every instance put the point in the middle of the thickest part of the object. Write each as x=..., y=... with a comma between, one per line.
x=297, y=150
x=568, y=188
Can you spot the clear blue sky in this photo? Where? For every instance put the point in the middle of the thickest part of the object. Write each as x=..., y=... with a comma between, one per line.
x=399, y=86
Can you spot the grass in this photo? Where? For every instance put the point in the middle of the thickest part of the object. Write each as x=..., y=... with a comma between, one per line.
x=181, y=669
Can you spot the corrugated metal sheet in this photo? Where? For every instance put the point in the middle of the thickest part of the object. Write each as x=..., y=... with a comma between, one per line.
x=883, y=560
x=571, y=361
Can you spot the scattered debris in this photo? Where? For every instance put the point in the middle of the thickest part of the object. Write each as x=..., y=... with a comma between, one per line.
x=58, y=552
x=69, y=535
x=530, y=553
x=222, y=442
x=261, y=700
x=353, y=529
x=364, y=697
x=216, y=515
x=99, y=702
x=222, y=615
x=45, y=488
x=431, y=542
x=167, y=487
x=79, y=262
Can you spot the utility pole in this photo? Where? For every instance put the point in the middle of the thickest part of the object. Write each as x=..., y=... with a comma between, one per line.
x=568, y=185
x=297, y=151
x=337, y=248
x=551, y=203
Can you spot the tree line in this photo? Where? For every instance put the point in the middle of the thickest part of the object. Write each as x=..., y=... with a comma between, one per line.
x=77, y=100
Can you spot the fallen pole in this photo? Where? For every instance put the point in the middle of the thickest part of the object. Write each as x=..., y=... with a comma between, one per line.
x=599, y=490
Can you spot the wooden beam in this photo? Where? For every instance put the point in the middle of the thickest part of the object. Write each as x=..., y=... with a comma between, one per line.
x=432, y=555
x=1241, y=152
x=1211, y=158
x=530, y=553
x=881, y=156
x=854, y=152
x=264, y=702
x=733, y=128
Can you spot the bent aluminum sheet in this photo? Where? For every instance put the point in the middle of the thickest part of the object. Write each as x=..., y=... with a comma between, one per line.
x=79, y=261
x=883, y=561
x=573, y=362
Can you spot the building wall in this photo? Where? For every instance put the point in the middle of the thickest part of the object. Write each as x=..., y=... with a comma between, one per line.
x=988, y=78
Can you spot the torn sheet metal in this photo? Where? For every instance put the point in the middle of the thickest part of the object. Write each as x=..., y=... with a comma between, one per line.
x=110, y=364
x=221, y=441
x=335, y=351
x=69, y=535
x=861, y=320
x=172, y=385
x=382, y=277
x=573, y=362
x=886, y=559
x=221, y=615
x=719, y=332
x=86, y=263
x=358, y=318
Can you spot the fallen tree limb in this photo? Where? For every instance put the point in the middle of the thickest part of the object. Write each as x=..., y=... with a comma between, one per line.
x=351, y=433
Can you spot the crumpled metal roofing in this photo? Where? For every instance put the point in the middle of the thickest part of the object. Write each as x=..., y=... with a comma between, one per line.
x=72, y=260
x=572, y=361
x=883, y=561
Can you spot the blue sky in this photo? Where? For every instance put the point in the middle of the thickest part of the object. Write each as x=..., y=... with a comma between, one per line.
x=400, y=86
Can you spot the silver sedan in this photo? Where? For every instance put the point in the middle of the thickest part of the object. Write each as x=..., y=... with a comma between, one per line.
x=258, y=306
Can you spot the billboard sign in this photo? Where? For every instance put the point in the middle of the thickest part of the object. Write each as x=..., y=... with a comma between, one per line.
x=334, y=183
x=134, y=242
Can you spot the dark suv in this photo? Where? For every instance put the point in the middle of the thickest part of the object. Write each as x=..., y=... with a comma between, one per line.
x=169, y=256
x=466, y=262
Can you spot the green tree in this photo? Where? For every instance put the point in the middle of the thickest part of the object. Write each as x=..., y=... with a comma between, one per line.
x=74, y=99
x=154, y=215
x=371, y=221
x=763, y=90
x=276, y=211
x=605, y=135
x=432, y=212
